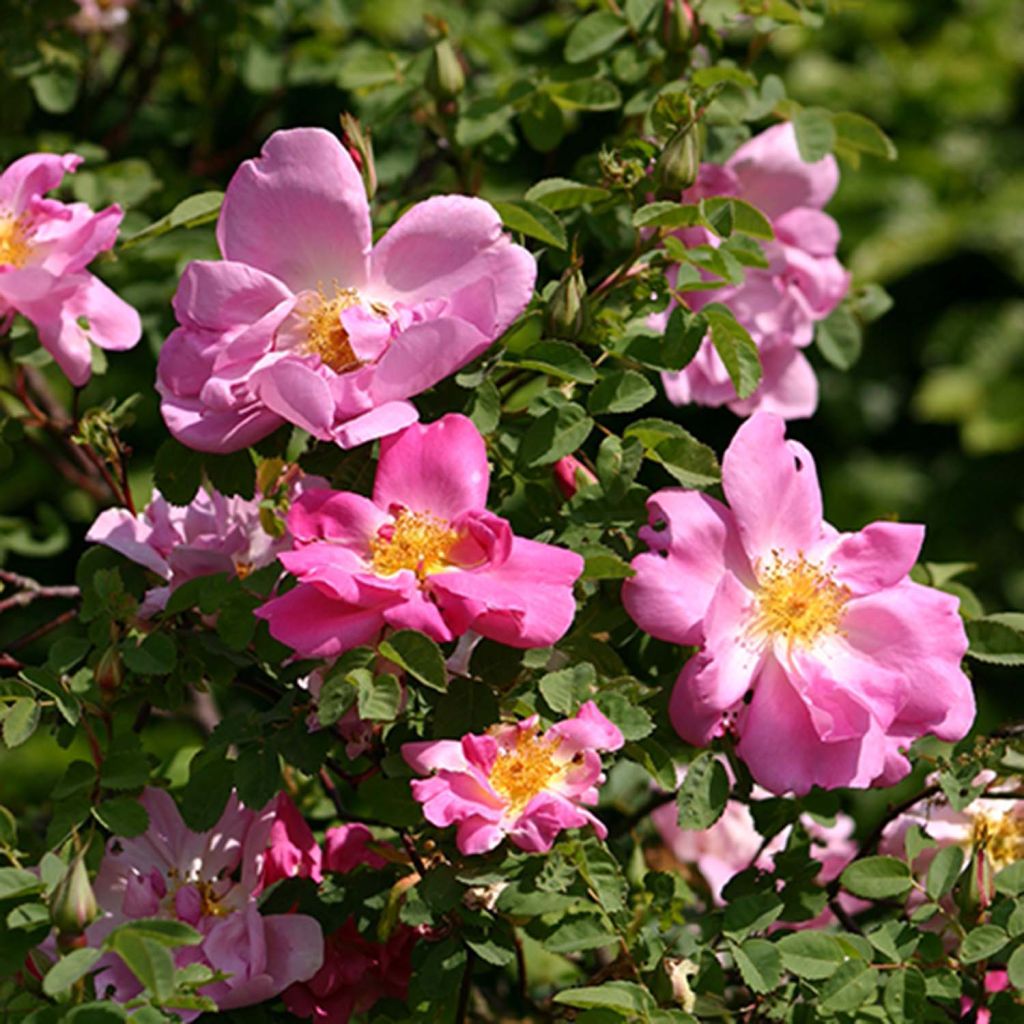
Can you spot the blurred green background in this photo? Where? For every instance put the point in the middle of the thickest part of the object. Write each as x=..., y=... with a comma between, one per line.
x=928, y=425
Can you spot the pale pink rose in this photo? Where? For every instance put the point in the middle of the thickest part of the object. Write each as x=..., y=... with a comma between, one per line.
x=515, y=782
x=817, y=652
x=212, y=534
x=101, y=15
x=45, y=246
x=569, y=473
x=733, y=844
x=780, y=304
x=423, y=554
x=305, y=321
x=208, y=880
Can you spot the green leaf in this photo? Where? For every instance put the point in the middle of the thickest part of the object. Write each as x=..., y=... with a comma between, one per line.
x=742, y=217
x=603, y=564
x=736, y=349
x=564, y=194
x=468, y=706
x=997, y=639
x=161, y=930
x=815, y=133
x=177, y=472
x=577, y=932
x=593, y=35
x=557, y=432
x=944, y=871
x=257, y=773
x=811, y=954
x=232, y=474
x=839, y=338
x=620, y=391
x=664, y=214
x=586, y=94
x=155, y=656
x=56, y=88
x=683, y=334
x=877, y=878
x=66, y=971
x=851, y=985
x=862, y=134
x=20, y=720
x=704, y=791
x=15, y=883
x=559, y=358
x=201, y=208
x=602, y=873
x=543, y=122
x=692, y=463
x=532, y=220
x=149, y=961
x=1015, y=968
x=49, y=683
x=97, y=1013
x=1010, y=881
x=626, y=997
x=982, y=943
x=760, y=963
x=379, y=697
x=904, y=995
x=753, y=913
x=123, y=815
x=567, y=688
x=337, y=695
x=206, y=793
x=418, y=655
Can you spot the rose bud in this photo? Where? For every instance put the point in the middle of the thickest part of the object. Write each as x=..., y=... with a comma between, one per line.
x=72, y=902
x=680, y=29
x=445, y=77
x=679, y=162
x=570, y=474
x=566, y=314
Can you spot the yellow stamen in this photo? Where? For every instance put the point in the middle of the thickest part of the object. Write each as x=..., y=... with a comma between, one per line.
x=524, y=771
x=417, y=541
x=326, y=337
x=14, y=244
x=798, y=601
x=1001, y=836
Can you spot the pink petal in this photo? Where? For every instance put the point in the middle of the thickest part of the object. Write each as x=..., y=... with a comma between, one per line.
x=421, y=614
x=315, y=626
x=588, y=730
x=339, y=516
x=33, y=175
x=811, y=230
x=880, y=555
x=223, y=295
x=297, y=393
x=772, y=488
x=674, y=583
x=427, y=756
x=772, y=175
x=438, y=468
x=113, y=324
x=385, y=419
x=299, y=212
x=73, y=243
x=788, y=388
x=130, y=536
x=478, y=835
x=453, y=247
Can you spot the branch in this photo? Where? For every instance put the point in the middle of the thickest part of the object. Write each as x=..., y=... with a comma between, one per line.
x=30, y=590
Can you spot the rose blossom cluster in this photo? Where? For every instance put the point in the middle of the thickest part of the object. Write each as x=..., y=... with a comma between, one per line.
x=778, y=304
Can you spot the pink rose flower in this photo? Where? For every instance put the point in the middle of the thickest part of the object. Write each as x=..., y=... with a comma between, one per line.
x=778, y=304
x=515, y=782
x=816, y=650
x=101, y=15
x=356, y=973
x=208, y=880
x=290, y=850
x=305, y=321
x=423, y=554
x=212, y=534
x=45, y=246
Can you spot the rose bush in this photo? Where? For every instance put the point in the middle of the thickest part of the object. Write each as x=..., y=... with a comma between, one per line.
x=436, y=618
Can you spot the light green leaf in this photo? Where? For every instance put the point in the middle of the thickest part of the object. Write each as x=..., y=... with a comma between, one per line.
x=811, y=954
x=736, y=349
x=944, y=871
x=20, y=720
x=997, y=639
x=593, y=35
x=851, y=985
x=418, y=655
x=877, y=878
x=839, y=338
x=563, y=194
x=531, y=219
x=982, y=943
x=667, y=215
x=192, y=212
x=626, y=997
x=620, y=391
x=704, y=791
x=860, y=133
x=760, y=963
x=815, y=133
x=68, y=969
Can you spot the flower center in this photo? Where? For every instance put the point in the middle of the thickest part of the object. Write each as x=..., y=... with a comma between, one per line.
x=326, y=337
x=524, y=771
x=1001, y=836
x=14, y=245
x=417, y=541
x=798, y=601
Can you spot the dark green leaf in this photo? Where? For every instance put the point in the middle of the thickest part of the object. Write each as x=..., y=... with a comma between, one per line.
x=620, y=391
x=811, y=954
x=862, y=134
x=982, y=943
x=532, y=220
x=692, y=463
x=944, y=871
x=418, y=655
x=68, y=969
x=839, y=338
x=736, y=349
x=149, y=961
x=177, y=472
x=557, y=432
x=123, y=815
x=850, y=986
x=593, y=35
x=666, y=215
x=702, y=796
x=15, y=883
x=904, y=995
x=760, y=963
x=624, y=996
x=997, y=639
x=563, y=194
x=155, y=656
x=561, y=359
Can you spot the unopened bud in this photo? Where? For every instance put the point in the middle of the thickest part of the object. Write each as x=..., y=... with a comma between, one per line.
x=110, y=671
x=445, y=77
x=566, y=314
x=680, y=30
x=679, y=163
x=72, y=902
x=356, y=140
x=570, y=474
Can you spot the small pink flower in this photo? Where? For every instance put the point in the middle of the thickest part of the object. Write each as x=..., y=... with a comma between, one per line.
x=290, y=851
x=816, y=649
x=212, y=534
x=305, y=321
x=778, y=304
x=101, y=15
x=208, y=880
x=995, y=981
x=423, y=554
x=569, y=474
x=45, y=246
x=515, y=782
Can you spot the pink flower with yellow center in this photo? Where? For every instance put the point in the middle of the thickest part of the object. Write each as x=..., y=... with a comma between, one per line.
x=306, y=321
x=515, y=781
x=423, y=554
x=816, y=650
x=210, y=880
x=45, y=246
